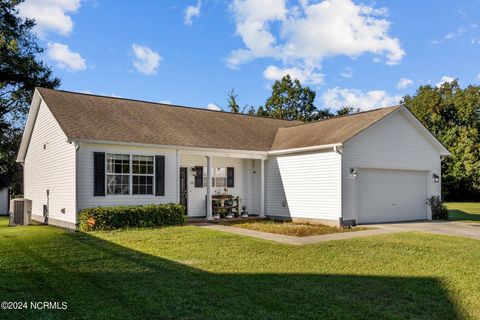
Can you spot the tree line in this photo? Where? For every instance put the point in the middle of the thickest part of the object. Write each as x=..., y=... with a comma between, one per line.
x=450, y=112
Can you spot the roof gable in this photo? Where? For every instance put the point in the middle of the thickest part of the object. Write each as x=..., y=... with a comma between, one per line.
x=328, y=131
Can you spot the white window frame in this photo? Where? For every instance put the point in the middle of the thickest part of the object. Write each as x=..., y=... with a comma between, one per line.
x=144, y=175
x=118, y=174
x=214, y=177
x=130, y=174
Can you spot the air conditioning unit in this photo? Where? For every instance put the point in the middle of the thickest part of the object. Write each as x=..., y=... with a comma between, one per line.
x=20, y=212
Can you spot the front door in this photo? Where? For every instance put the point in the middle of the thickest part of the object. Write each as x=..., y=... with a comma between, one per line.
x=184, y=188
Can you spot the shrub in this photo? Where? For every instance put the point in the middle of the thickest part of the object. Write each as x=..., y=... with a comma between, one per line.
x=439, y=210
x=109, y=218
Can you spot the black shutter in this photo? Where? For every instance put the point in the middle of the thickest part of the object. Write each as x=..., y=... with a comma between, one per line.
x=198, y=177
x=99, y=174
x=159, y=175
x=230, y=177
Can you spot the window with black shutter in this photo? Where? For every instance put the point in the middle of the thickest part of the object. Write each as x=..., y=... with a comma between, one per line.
x=198, y=177
x=99, y=174
x=230, y=177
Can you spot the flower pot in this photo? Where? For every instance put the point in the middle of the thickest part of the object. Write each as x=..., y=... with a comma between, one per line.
x=244, y=215
x=229, y=216
x=216, y=216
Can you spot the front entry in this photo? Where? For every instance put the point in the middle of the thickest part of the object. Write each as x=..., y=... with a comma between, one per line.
x=184, y=188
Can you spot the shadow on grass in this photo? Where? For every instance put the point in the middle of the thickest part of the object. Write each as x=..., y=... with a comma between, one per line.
x=100, y=279
x=462, y=216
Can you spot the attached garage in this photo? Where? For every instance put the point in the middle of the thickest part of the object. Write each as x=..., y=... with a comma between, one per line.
x=391, y=195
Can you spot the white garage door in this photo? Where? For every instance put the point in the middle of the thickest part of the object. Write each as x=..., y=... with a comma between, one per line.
x=391, y=195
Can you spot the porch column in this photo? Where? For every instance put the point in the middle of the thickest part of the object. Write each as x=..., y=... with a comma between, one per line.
x=262, y=188
x=209, y=188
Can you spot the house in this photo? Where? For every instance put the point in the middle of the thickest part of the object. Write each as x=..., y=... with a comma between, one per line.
x=80, y=150
x=4, y=202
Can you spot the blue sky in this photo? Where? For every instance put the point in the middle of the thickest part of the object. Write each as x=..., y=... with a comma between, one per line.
x=365, y=54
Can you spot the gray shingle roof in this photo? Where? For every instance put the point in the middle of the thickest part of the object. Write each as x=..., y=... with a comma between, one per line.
x=91, y=117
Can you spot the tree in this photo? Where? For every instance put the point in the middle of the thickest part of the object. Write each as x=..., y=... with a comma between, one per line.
x=290, y=101
x=452, y=114
x=20, y=72
x=232, y=102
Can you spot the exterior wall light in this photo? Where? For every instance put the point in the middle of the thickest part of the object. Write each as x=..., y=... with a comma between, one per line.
x=436, y=177
x=194, y=170
x=353, y=173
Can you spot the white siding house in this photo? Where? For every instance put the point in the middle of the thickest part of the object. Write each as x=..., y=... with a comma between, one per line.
x=4, y=205
x=82, y=151
x=49, y=171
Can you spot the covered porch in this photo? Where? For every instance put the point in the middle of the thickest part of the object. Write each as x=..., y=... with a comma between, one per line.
x=213, y=185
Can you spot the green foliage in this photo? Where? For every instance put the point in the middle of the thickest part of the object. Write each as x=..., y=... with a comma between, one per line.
x=290, y=101
x=109, y=218
x=452, y=114
x=20, y=72
x=439, y=210
x=232, y=102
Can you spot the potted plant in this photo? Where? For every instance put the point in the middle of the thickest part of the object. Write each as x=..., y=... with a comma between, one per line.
x=229, y=214
x=244, y=212
x=216, y=215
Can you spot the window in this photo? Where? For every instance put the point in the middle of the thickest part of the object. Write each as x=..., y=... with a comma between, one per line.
x=220, y=177
x=118, y=173
x=142, y=174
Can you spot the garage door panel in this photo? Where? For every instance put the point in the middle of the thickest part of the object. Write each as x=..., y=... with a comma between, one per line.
x=390, y=195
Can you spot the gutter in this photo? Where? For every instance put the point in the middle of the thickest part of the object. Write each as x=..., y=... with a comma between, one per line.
x=335, y=146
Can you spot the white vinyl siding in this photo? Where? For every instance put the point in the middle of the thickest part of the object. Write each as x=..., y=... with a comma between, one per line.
x=51, y=168
x=393, y=143
x=85, y=197
x=246, y=184
x=306, y=185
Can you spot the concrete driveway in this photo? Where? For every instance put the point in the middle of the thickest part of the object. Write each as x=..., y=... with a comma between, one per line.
x=451, y=228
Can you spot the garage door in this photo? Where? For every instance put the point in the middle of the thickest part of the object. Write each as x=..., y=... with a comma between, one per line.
x=391, y=195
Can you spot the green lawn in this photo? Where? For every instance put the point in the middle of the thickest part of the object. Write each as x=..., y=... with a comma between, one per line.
x=194, y=273
x=289, y=228
x=464, y=211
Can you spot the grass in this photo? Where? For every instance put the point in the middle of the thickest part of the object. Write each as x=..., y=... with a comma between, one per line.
x=464, y=211
x=289, y=228
x=194, y=273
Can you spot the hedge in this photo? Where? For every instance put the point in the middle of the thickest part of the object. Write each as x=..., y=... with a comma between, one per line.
x=110, y=218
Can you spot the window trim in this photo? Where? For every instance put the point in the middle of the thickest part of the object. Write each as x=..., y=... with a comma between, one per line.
x=130, y=174
x=143, y=175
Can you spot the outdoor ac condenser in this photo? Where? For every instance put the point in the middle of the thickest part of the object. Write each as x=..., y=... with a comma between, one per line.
x=20, y=212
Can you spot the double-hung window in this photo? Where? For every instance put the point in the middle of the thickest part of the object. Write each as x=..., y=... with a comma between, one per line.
x=220, y=177
x=142, y=174
x=118, y=173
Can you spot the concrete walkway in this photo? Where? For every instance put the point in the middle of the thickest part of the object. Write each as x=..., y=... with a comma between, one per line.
x=450, y=228
x=297, y=240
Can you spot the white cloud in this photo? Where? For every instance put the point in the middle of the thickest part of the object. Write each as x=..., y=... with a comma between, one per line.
x=342, y=97
x=444, y=79
x=146, y=60
x=403, y=83
x=192, y=12
x=306, y=75
x=455, y=34
x=65, y=58
x=50, y=15
x=311, y=32
x=478, y=77
x=165, y=101
x=212, y=106
x=347, y=73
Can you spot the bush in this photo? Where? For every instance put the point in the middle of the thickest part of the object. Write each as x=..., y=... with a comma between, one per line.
x=439, y=210
x=109, y=218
